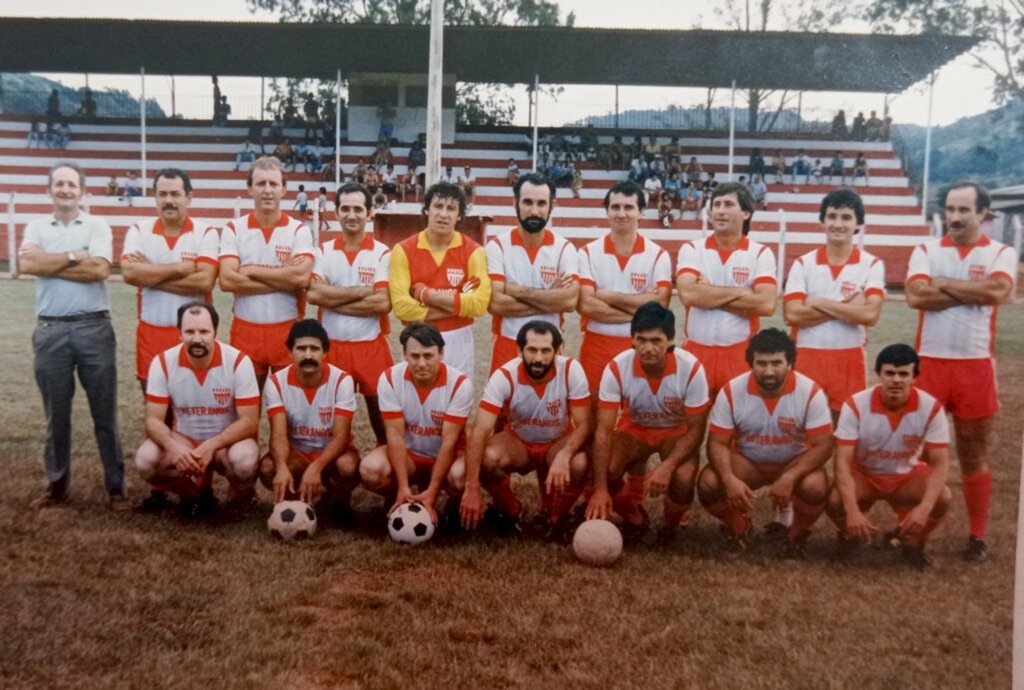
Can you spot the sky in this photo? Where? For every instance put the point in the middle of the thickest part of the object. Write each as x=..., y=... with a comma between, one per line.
x=961, y=90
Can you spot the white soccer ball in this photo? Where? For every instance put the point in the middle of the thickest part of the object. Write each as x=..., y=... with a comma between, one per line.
x=597, y=542
x=292, y=520
x=411, y=524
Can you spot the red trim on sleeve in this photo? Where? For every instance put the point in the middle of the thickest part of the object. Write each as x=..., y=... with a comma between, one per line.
x=794, y=296
x=380, y=284
x=818, y=430
x=846, y=442
x=246, y=402
x=579, y=402
x=348, y=414
x=664, y=283
x=687, y=269
x=936, y=445
x=917, y=276
x=496, y=277
x=721, y=431
x=1002, y=274
x=207, y=260
x=765, y=279
x=230, y=256
x=454, y=419
x=276, y=409
x=607, y=405
x=308, y=253
x=697, y=410
x=587, y=282
x=157, y=399
x=490, y=407
x=871, y=292
x=391, y=415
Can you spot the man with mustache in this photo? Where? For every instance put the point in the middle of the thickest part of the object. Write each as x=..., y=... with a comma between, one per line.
x=958, y=283
x=211, y=388
x=534, y=272
x=310, y=405
x=769, y=427
x=266, y=259
x=172, y=260
x=547, y=402
x=892, y=445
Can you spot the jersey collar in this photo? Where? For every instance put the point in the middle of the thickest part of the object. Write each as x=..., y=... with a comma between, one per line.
x=423, y=243
x=655, y=383
x=963, y=251
x=158, y=229
x=712, y=243
x=442, y=377
x=339, y=243
x=525, y=379
x=878, y=407
x=822, y=257
x=638, y=245
x=282, y=221
x=200, y=374
x=293, y=380
x=788, y=386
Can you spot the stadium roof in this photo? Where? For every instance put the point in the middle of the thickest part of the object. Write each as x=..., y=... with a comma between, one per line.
x=560, y=55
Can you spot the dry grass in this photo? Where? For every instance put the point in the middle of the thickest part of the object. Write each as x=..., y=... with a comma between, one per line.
x=90, y=599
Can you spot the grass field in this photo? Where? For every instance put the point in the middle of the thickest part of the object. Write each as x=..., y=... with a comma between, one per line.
x=93, y=599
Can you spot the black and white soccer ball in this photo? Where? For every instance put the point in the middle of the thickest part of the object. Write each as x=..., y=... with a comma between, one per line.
x=292, y=520
x=411, y=524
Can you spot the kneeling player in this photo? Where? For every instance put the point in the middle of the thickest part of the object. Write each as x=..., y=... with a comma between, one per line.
x=310, y=406
x=212, y=390
x=547, y=401
x=425, y=405
x=892, y=443
x=769, y=427
x=663, y=397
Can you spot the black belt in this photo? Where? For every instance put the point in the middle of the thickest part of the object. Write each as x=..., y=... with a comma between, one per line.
x=89, y=316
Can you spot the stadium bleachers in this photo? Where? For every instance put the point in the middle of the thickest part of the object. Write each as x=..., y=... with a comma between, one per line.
x=893, y=225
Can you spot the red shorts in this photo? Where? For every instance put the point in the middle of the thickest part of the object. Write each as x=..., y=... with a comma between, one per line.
x=721, y=363
x=840, y=373
x=263, y=343
x=596, y=351
x=648, y=436
x=886, y=485
x=965, y=387
x=503, y=351
x=149, y=342
x=365, y=360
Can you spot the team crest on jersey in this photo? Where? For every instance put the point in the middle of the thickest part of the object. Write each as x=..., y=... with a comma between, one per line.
x=740, y=274
x=366, y=274
x=222, y=395
x=189, y=256
x=912, y=442
x=976, y=272
x=787, y=425
x=554, y=407
x=437, y=417
x=455, y=276
x=848, y=289
x=639, y=280
x=283, y=252
x=326, y=414
x=548, y=274
x=674, y=404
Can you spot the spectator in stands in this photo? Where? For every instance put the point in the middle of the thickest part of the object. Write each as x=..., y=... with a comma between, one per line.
x=779, y=166
x=389, y=180
x=216, y=99
x=382, y=156
x=857, y=129
x=760, y=191
x=34, y=134
x=246, y=155
x=359, y=172
x=88, y=106
x=371, y=179
x=707, y=189
x=449, y=176
x=665, y=209
x=816, y=171
x=112, y=186
x=255, y=135
x=418, y=156
x=380, y=199
x=652, y=150
x=673, y=187
x=637, y=169
x=756, y=166
x=302, y=203
x=860, y=169
x=61, y=134
x=742, y=179
x=225, y=111
x=321, y=209
x=410, y=181
x=315, y=156
x=51, y=132
x=618, y=152
x=288, y=113
x=652, y=185
x=276, y=132
x=837, y=168
x=886, y=127
x=132, y=187
x=311, y=113
x=512, y=172
x=690, y=198
x=636, y=147
x=577, y=182
x=53, y=106
x=588, y=142
x=467, y=183
x=802, y=166
x=673, y=153
x=839, y=123
x=873, y=128
x=693, y=170
x=285, y=153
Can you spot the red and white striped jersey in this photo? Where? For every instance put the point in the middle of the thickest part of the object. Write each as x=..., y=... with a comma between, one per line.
x=655, y=403
x=310, y=411
x=369, y=266
x=964, y=331
x=748, y=265
x=424, y=410
x=197, y=242
x=204, y=401
x=244, y=239
x=891, y=442
x=771, y=430
x=538, y=410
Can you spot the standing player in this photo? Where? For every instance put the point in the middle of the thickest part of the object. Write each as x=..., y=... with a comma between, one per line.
x=425, y=405
x=310, y=405
x=265, y=259
x=534, y=272
x=350, y=285
x=212, y=390
x=957, y=283
x=440, y=276
x=769, y=427
x=546, y=399
x=653, y=399
x=832, y=295
x=892, y=444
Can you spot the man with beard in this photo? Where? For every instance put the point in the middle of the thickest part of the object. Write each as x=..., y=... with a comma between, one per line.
x=892, y=445
x=653, y=399
x=534, y=272
x=211, y=387
x=546, y=399
x=310, y=405
x=769, y=427
x=958, y=283
x=172, y=260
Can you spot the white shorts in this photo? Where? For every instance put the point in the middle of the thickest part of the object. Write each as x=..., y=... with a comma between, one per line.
x=458, y=350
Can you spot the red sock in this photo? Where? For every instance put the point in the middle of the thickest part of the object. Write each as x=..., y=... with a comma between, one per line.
x=738, y=522
x=804, y=515
x=504, y=498
x=977, y=495
x=676, y=513
x=562, y=502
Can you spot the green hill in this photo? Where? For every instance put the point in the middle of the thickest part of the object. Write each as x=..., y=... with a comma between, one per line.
x=26, y=94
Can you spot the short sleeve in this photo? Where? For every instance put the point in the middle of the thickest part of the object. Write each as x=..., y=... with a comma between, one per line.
x=302, y=242
x=247, y=390
x=272, y=401
x=796, y=281
x=848, y=427
x=461, y=403
x=209, y=247
x=382, y=275
x=937, y=432
x=101, y=240
x=387, y=399
x=609, y=396
x=319, y=264
x=686, y=261
x=1005, y=264
x=345, y=397
x=579, y=387
x=569, y=261
x=819, y=418
x=722, y=421
x=132, y=241
x=229, y=243
x=495, y=261
x=875, y=283
x=31, y=236
x=765, y=268
x=497, y=392
x=919, y=267
x=586, y=276
x=697, y=395
x=156, y=382
x=662, y=276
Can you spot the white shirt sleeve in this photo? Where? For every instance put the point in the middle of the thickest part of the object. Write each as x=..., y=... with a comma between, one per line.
x=610, y=391
x=796, y=281
x=156, y=382
x=31, y=236
x=1005, y=264
x=272, y=401
x=586, y=277
x=302, y=242
x=721, y=415
x=875, y=283
x=818, y=414
x=461, y=403
x=495, y=260
x=209, y=245
x=569, y=261
x=937, y=433
x=247, y=390
x=132, y=241
x=101, y=240
x=697, y=394
x=387, y=400
x=687, y=262
x=919, y=266
x=662, y=275
x=318, y=263
x=765, y=267
x=579, y=388
x=229, y=243
x=382, y=276
x=345, y=397
x=848, y=428
x=497, y=392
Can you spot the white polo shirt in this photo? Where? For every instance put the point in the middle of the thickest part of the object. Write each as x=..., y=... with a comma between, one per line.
x=204, y=401
x=59, y=296
x=890, y=443
x=964, y=331
x=748, y=265
x=812, y=275
x=369, y=266
x=424, y=410
x=509, y=260
x=771, y=431
x=647, y=266
x=244, y=239
x=310, y=411
x=197, y=242
x=538, y=411
x=655, y=403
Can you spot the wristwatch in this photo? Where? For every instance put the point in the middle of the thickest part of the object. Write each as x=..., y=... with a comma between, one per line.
x=71, y=259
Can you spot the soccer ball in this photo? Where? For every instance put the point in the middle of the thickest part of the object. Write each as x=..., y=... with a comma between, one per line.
x=411, y=524
x=597, y=542
x=292, y=520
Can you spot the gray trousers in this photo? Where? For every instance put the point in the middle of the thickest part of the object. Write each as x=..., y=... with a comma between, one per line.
x=90, y=347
